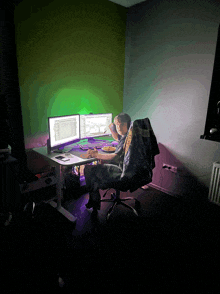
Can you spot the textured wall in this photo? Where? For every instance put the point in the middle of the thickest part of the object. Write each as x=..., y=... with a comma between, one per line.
x=170, y=49
x=70, y=59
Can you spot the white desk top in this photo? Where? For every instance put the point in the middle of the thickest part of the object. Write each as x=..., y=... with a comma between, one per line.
x=73, y=160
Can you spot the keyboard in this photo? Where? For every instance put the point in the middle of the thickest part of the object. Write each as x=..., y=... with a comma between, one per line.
x=92, y=146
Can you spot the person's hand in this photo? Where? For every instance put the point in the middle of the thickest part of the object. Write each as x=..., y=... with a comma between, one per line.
x=111, y=127
x=92, y=153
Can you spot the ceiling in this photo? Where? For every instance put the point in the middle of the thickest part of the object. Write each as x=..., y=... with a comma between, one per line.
x=127, y=3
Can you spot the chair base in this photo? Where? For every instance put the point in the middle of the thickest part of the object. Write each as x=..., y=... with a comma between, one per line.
x=116, y=200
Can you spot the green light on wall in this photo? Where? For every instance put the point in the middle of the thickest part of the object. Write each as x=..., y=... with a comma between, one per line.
x=74, y=101
x=73, y=66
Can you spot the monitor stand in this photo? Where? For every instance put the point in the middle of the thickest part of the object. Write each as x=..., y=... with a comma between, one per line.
x=91, y=140
x=49, y=151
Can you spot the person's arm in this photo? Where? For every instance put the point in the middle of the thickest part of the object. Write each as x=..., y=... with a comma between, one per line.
x=114, y=133
x=115, y=136
x=95, y=154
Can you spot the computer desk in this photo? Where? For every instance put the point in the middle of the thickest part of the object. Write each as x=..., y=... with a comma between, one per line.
x=58, y=164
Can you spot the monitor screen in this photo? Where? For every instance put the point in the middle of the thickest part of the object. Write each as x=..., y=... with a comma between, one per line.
x=63, y=130
x=95, y=125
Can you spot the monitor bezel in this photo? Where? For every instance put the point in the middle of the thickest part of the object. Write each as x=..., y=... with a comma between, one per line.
x=93, y=114
x=62, y=145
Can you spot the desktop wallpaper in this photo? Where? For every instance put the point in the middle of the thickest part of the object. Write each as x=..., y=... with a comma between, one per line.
x=71, y=59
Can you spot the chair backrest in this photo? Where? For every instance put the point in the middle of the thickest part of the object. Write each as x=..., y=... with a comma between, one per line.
x=140, y=147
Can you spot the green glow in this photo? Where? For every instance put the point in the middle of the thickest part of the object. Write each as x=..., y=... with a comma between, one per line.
x=71, y=66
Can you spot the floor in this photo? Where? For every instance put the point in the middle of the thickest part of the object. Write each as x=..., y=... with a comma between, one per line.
x=173, y=245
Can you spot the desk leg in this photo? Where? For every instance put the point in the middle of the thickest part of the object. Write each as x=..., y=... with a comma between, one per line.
x=59, y=195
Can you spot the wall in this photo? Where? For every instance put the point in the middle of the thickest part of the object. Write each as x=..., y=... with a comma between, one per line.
x=170, y=49
x=70, y=60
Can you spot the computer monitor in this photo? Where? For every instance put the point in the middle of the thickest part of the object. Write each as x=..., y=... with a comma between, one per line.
x=95, y=125
x=63, y=130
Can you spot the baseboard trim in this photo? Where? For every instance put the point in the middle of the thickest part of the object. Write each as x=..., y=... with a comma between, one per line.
x=163, y=190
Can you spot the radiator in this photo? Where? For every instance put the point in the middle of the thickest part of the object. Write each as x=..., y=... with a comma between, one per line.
x=214, y=188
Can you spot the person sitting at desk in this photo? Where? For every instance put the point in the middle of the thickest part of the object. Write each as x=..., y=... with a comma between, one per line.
x=101, y=174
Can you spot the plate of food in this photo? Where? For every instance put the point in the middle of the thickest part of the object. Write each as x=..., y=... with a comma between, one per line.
x=109, y=149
